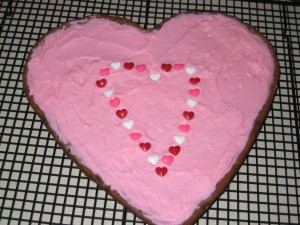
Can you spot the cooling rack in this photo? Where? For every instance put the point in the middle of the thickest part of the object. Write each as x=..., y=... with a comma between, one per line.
x=40, y=185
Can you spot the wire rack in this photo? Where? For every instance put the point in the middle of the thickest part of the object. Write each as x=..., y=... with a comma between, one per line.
x=40, y=185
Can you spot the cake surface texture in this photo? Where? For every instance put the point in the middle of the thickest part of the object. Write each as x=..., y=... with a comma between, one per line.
x=161, y=119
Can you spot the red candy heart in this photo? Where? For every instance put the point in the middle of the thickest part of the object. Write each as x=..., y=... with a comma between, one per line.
x=194, y=80
x=128, y=65
x=166, y=67
x=145, y=146
x=101, y=83
x=121, y=113
x=174, y=150
x=188, y=115
x=161, y=171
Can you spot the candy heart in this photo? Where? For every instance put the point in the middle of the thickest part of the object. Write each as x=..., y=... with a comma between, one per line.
x=155, y=76
x=121, y=113
x=115, y=65
x=145, y=146
x=104, y=72
x=179, y=139
x=190, y=70
x=174, y=150
x=179, y=66
x=237, y=86
x=135, y=136
x=115, y=102
x=184, y=128
x=166, y=67
x=108, y=93
x=192, y=102
x=194, y=92
x=128, y=124
x=101, y=83
x=168, y=159
x=194, y=80
x=188, y=115
x=161, y=171
x=140, y=68
x=153, y=159
x=128, y=65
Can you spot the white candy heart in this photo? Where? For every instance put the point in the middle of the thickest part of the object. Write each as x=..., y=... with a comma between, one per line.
x=155, y=76
x=128, y=124
x=115, y=65
x=108, y=93
x=192, y=102
x=190, y=70
x=179, y=139
x=153, y=159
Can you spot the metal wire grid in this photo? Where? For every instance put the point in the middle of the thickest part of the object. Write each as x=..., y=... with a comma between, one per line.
x=39, y=185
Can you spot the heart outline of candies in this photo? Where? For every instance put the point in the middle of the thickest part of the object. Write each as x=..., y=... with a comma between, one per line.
x=122, y=113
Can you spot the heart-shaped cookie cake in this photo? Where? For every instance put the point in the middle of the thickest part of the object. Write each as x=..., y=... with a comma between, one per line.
x=161, y=119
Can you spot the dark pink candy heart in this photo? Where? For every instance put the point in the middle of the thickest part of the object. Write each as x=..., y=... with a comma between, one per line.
x=184, y=128
x=104, y=72
x=135, y=136
x=194, y=92
x=115, y=102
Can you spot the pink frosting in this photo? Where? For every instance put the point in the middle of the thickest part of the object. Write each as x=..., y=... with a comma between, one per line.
x=235, y=68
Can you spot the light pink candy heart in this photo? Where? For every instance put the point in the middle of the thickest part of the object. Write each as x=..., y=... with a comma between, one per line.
x=184, y=128
x=194, y=92
x=135, y=136
x=140, y=68
x=179, y=66
x=168, y=159
x=104, y=72
x=115, y=102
